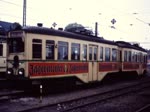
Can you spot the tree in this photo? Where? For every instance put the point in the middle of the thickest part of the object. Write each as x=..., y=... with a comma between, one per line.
x=78, y=28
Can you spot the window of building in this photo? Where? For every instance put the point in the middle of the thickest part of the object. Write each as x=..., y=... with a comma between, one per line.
x=1, y=49
x=50, y=49
x=62, y=50
x=107, y=54
x=84, y=52
x=37, y=48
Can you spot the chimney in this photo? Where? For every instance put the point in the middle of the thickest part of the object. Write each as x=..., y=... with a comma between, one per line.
x=96, y=28
x=60, y=29
x=39, y=24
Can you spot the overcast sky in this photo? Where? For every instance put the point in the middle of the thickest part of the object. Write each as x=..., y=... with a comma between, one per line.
x=132, y=16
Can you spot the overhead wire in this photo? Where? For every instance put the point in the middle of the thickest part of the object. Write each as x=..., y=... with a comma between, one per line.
x=10, y=3
x=12, y=15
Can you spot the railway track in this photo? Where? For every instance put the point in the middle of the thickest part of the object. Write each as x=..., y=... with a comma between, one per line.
x=6, y=95
x=81, y=102
x=145, y=108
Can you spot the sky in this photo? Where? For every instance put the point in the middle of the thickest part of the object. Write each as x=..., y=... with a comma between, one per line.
x=132, y=16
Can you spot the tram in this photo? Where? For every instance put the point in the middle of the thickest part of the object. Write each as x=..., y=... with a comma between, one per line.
x=38, y=53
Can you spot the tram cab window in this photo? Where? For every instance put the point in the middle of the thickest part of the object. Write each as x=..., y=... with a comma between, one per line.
x=62, y=50
x=114, y=54
x=1, y=49
x=75, y=51
x=84, y=52
x=101, y=53
x=50, y=49
x=37, y=48
x=16, y=45
x=107, y=54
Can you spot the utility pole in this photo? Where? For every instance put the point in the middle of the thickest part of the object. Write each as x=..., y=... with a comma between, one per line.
x=24, y=13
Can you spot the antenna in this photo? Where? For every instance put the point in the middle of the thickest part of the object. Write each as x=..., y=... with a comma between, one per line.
x=24, y=13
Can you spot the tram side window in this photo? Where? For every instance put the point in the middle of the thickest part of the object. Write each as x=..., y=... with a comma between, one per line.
x=75, y=51
x=125, y=56
x=140, y=60
x=138, y=57
x=90, y=53
x=130, y=56
x=37, y=48
x=62, y=50
x=95, y=53
x=1, y=50
x=101, y=53
x=114, y=54
x=145, y=58
x=49, y=49
x=141, y=57
x=107, y=54
x=84, y=55
x=134, y=57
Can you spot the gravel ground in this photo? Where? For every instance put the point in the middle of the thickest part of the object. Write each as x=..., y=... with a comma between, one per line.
x=129, y=103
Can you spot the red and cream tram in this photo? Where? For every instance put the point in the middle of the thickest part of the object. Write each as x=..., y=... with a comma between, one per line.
x=36, y=53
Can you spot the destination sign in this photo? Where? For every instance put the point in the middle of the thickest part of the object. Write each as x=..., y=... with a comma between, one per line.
x=16, y=34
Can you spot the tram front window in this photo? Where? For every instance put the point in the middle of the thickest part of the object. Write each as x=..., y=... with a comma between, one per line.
x=16, y=45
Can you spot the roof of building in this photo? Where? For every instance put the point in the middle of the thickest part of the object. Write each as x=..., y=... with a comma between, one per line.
x=6, y=26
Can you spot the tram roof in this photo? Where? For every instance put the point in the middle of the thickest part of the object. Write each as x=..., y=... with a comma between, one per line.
x=49, y=31
x=129, y=45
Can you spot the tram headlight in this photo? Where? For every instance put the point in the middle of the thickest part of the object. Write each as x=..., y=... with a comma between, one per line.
x=21, y=71
x=9, y=71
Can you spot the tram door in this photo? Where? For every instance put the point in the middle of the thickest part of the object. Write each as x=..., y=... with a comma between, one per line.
x=93, y=64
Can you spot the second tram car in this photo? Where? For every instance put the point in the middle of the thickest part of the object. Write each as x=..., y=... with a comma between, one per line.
x=133, y=58
x=36, y=53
